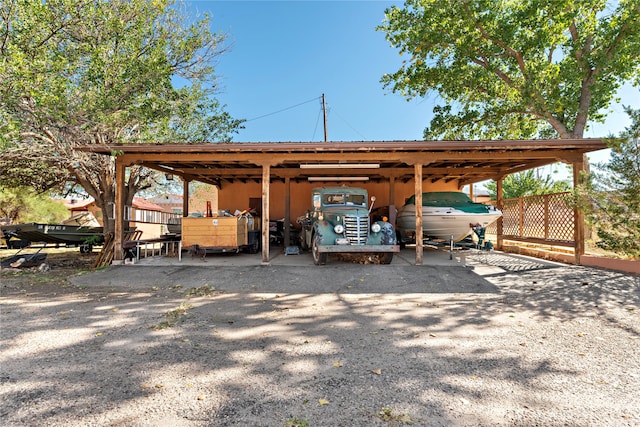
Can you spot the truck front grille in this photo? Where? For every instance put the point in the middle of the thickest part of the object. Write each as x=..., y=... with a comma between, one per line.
x=356, y=229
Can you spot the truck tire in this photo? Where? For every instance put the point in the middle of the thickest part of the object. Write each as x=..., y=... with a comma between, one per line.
x=318, y=258
x=386, y=258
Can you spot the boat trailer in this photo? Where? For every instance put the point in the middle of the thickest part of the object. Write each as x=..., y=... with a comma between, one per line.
x=24, y=260
x=466, y=243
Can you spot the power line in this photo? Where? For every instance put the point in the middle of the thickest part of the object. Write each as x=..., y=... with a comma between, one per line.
x=284, y=109
x=317, y=121
x=349, y=124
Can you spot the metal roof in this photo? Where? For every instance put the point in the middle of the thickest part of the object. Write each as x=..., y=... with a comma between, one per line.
x=465, y=161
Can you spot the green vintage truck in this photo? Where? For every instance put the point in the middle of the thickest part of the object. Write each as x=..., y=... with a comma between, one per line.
x=340, y=222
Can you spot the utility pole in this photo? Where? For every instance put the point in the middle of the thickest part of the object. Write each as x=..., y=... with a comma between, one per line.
x=324, y=111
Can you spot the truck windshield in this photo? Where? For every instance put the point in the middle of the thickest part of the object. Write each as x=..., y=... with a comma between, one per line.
x=344, y=199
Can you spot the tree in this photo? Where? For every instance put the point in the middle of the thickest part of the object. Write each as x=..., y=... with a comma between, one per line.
x=104, y=72
x=23, y=204
x=514, y=69
x=610, y=197
x=526, y=183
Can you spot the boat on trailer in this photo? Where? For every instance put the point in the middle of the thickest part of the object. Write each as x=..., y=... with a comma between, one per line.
x=59, y=234
x=446, y=215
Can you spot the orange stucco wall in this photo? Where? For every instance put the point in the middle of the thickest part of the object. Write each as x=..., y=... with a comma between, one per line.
x=236, y=196
x=149, y=231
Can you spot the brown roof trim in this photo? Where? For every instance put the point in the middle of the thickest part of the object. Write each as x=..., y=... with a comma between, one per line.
x=585, y=144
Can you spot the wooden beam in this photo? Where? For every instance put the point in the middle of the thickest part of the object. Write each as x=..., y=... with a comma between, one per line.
x=265, y=213
x=185, y=198
x=577, y=144
x=420, y=157
x=287, y=211
x=418, y=200
x=293, y=172
x=500, y=206
x=393, y=211
x=118, y=237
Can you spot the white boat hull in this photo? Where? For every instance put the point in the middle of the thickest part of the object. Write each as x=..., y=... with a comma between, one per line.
x=443, y=222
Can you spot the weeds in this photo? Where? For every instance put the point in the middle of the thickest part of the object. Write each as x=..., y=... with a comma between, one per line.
x=296, y=422
x=387, y=414
x=202, y=291
x=172, y=317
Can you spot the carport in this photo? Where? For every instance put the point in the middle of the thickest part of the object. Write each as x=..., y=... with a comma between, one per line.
x=386, y=162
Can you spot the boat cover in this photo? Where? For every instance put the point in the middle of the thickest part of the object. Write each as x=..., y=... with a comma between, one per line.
x=450, y=199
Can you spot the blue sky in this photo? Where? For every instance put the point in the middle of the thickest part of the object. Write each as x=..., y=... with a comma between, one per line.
x=283, y=55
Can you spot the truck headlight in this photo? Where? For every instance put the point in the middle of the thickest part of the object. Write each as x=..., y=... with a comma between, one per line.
x=376, y=227
x=339, y=228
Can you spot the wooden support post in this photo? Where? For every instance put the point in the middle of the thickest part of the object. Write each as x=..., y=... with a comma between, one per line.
x=185, y=198
x=579, y=168
x=393, y=211
x=500, y=206
x=287, y=212
x=266, y=178
x=418, y=197
x=545, y=199
x=118, y=237
x=521, y=216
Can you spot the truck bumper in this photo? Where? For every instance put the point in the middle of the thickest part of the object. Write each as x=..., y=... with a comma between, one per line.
x=358, y=248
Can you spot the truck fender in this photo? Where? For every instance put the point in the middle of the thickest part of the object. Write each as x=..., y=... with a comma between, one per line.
x=322, y=228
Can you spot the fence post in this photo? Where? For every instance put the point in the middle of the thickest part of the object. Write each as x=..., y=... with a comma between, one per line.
x=545, y=198
x=520, y=216
x=500, y=224
x=579, y=167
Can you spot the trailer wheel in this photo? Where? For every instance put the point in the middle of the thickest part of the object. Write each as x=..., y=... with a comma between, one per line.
x=254, y=247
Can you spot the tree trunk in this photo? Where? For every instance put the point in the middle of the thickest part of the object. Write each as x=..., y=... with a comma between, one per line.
x=97, y=177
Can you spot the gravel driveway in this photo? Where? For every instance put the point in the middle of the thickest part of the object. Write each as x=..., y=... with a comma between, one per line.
x=496, y=341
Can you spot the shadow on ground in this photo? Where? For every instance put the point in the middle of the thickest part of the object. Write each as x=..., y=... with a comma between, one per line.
x=358, y=345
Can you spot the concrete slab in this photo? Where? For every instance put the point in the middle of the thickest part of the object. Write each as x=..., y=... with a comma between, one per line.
x=278, y=256
x=432, y=257
x=467, y=272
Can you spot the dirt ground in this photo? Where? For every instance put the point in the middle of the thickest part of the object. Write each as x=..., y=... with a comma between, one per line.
x=496, y=340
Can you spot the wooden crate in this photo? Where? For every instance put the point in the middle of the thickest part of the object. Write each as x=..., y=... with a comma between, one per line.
x=221, y=232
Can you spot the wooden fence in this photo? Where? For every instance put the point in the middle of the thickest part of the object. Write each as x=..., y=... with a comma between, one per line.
x=546, y=219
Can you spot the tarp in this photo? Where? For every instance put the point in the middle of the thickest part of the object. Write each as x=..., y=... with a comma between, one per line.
x=452, y=199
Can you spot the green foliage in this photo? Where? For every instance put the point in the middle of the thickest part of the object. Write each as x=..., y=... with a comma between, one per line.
x=296, y=422
x=105, y=72
x=18, y=171
x=611, y=197
x=197, y=118
x=527, y=183
x=514, y=69
x=24, y=204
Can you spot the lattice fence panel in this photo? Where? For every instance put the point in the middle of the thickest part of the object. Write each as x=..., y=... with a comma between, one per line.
x=561, y=221
x=533, y=217
x=511, y=217
x=547, y=217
